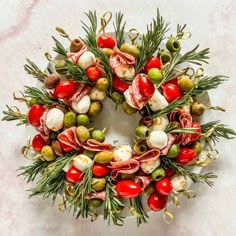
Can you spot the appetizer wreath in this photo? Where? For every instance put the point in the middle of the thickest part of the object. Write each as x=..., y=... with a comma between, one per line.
x=144, y=75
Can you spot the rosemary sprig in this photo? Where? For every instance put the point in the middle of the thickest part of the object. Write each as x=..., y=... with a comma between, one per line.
x=183, y=131
x=151, y=41
x=42, y=96
x=138, y=206
x=31, y=171
x=91, y=29
x=11, y=114
x=208, y=83
x=81, y=190
x=32, y=69
x=52, y=181
x=196, y=178
x=112, y=205
x=60, y=49
x=119, y=28
x=214, y=131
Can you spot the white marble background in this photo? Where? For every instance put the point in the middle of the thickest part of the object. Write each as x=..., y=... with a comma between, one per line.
x=25, y=30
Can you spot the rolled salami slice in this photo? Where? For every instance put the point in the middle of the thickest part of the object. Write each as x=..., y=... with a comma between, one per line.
x=152, y=154
x=42, y=128
x=81, y=91
x=99, y=195
x=143, y=181
x=94, y=145
x=74, y=56
x=174, y=115
x=171, y=140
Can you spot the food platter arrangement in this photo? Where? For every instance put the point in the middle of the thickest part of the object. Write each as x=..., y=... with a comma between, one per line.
x=147, y=83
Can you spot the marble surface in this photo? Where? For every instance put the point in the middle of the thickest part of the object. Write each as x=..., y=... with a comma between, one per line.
x=25, y=30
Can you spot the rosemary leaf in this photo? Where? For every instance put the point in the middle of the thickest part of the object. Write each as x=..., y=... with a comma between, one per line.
x=59, y=47
x=119, y=28
x=138, y=206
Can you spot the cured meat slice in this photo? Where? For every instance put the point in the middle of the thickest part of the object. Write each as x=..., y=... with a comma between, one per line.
x=81, y=91
x=42, y=128
x=174, y=115
x=99, y=195
x=74, y=56
x=152, y=154
x=143, y=181
x=127, y=167
x=171, y=140
x=94, y=145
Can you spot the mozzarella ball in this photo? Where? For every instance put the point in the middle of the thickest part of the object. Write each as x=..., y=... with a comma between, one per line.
x=157, y=139
x=149, y=166
x=125, y=71
x=67, y=166
x=159, y=123
x=55, y=119
x=86, y=60
x=128, y=98
x=179, y=183
x=82, y=106
x=82, y=162
x=97, y=94
x=122, y=153
x=157, y=101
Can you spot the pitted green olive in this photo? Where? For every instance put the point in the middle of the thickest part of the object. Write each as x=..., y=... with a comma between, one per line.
x=173, y=44
x=102, y=84
x=95, y=203
x=82, y=133
x=185, y=83
x=127, y=176
x=173, y=151
x=60, y=67
x=158, y=173
x=69, y=119
x=98, y=184
x=48, y=153
x=103, y=157
x=107, y=51
x=142, y=132
x=95, y=108
x=118, y=98
x=165, y=56
x=130, y=49
x=197, y=108
x=76, y=45
x=128, y=109
x=140, y=147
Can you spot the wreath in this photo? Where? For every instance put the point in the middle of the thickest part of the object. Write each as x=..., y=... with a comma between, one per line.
x=147, y=74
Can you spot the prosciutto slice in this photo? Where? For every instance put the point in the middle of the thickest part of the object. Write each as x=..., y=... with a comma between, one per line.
x=81, y=91
x=152, y=154
x=143, y=181
x=98, y=195
x=127, y=167
x=119, y=58
x=69, y=138
x=174, y=115
x=171, y=140
x=42, y=128
x=74, y=56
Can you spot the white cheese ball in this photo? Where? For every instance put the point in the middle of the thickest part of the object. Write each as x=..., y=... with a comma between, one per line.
x=159, y=123
x=82, y=106
x=179, y=183
x=97, y=94
x=67, y=166
x=157, y=101
x=55, y=119
x=128, y=98
x=86, y=60
x=157, y=139
x=82, y=162
x=122, y=153
x=125, y=71
x=149, y=166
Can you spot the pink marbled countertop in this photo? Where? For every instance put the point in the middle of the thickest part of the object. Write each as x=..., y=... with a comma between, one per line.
x=25, y=30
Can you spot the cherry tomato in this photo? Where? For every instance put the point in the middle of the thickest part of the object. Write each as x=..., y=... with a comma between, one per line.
x=65, y=147
x=105, y=41
x=171, y=92
x=93, y=73
x=128, y=189
x=65, y=89
x=100, y=170
x=119, y=85
x=185, y=156
x=157, y=202
x=146, y=87
x=164, y=186
x=38, y=142
x=154, y=62
x=174, y=81
x=197, y=126
x=169, y=172
x=34, y=114
x=74, y=175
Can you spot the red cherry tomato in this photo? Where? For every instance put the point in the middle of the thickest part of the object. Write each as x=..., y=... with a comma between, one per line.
x=105, y=41
x=185, y=156
x=65, y=147
x=74, y=175
x=154, y=62
x=169, y=172
x=171, y=92
x=119, y=85
x=100, y=170
x=157, y=202
x=174, y=81
x=65, y=89
x=164, y=186
x=93, y=73
x=146, y=87
x=34, y=114
x=197, y=126
x=38, y=142
x=128, y=189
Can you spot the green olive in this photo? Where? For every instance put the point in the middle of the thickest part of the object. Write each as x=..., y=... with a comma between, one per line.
x=107, y=51
x=158, y=173
x=98, y=135
x=60, y=67
x=118, y=98
x=185, y=83
x=89, y=153
x=140, y=147
x=197, y=108
x=173, y=151
x=95, y=203
x=95, y=108
x=103, y=157
x=155, y=75
x=33, y=101
x=165, y=56
x=128, y=109
x=98, y=184
x=130, y=49
x=69, y=119
x=142, y=132
x=197, y=146
x=48, y=153
x=82, y=119
x=127, y=176
x=102, y=84
x=76, y=45
x=172, y=44
x=150, y=189
x=82, y=133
